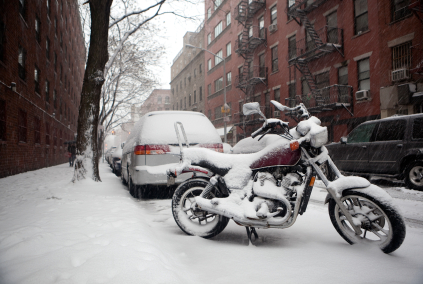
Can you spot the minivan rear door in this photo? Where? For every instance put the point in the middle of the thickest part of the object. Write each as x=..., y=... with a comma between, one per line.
x=386, y=150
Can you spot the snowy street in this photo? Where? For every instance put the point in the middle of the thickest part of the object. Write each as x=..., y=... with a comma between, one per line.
x=53, y=231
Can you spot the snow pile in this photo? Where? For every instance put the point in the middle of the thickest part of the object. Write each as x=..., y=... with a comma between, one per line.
x=252, y=145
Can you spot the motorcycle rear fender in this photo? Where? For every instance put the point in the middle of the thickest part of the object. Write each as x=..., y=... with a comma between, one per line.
x=197, y=169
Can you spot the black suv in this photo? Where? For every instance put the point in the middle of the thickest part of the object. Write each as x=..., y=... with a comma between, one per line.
x=390, y=147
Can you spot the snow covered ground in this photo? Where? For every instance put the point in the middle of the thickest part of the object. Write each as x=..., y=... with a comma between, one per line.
x=53, y=231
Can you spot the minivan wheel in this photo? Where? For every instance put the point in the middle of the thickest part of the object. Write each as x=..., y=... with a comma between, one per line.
x=414, y=175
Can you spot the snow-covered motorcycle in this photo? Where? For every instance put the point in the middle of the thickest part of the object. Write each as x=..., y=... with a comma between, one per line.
x=270, y=188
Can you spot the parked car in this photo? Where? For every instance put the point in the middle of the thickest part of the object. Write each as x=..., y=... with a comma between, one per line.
x=390, y=147
x=108, y=155
x=116, y=158
x=153, y=145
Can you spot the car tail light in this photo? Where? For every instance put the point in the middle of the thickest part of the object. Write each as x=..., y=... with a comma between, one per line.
x=218, y=147
x=151, y=149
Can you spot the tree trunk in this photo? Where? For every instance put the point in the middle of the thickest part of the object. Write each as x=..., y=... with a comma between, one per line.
x=87, y=142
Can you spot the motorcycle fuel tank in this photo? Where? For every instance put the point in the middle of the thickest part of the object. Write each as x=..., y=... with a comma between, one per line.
x=278, y=157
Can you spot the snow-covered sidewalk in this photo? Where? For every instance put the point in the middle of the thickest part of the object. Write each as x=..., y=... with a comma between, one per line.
x=53, y=231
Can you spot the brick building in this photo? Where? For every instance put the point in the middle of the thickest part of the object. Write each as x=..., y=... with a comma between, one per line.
x=187, y=74
x=159, y=99
x=334, y=56
x=42, y=59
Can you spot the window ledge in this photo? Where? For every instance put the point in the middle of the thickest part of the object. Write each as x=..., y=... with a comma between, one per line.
x=360, y=34
x=277, y=71
x=399, y=20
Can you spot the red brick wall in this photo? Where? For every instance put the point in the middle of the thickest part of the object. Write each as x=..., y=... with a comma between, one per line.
x=17, y=156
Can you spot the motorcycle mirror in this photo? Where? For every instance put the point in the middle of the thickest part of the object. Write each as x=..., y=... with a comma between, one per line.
x=279, y=106
x=251, y=108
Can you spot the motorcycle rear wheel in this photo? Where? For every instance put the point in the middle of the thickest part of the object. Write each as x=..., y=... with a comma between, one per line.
x=194, y=221
x=381, y=225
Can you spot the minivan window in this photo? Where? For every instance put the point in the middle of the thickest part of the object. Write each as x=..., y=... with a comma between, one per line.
x=362, y=133
x=391, y=130
x=418, y=128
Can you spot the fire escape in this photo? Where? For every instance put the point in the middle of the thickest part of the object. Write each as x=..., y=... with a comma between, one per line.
x=417, y=9
x=316, y=44
x=250, y=38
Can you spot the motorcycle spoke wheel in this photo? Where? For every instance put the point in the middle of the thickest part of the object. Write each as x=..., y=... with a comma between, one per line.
x=381, y=224
x=188, y=204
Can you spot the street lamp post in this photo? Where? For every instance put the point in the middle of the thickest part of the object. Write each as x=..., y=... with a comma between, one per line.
x=224, y=87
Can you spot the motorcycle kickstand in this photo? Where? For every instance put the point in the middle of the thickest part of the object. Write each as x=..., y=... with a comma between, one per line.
x=250, y=233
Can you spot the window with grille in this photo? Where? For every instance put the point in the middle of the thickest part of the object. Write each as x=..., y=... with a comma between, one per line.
x=47, y=134
x=401, y=56
x=21, y=62
x=292, y=47
x=228, y=78
x=275, y=66
x=218, y=84
x=37, y=79
x=37, y=130
x=364, y=74
x=228, y=49
x=399, y=9
x=2, y=120
x=218, y=29
x=273, y=15
x=361, y=22
x=22, y=126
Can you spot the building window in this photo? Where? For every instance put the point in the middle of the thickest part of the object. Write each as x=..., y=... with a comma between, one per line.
x=47, y=134
x=262, y=68
x=55, y=137
x=218, y=57
x=37, y=79
x=305, y=88
x=399, y=9
x=176, y=105
x=37, y=130
x=55, y=62
x=22, y=8
x=48, y=7
x=47, y=48
x=228, y=19
x=217, y=112
x=47, y=91
x=195, y=73
x=262, y=33
x=209, y=64
x=22, y=126
x=218, y=29
x=228, y=49
x=208, y=13
x=189, y=100
x=2, y=40
x=361, y=23
x=343, y=75
x=267, y=105
x=21, y=63
x=292, y=47
x=273, y=15
x=201, y=94
x=332, y=23
x=37, y=29
x=167, y=100
x=209, y=90
x=228, y=78
x=185, y=103
x=159, y=100
x=292, y=94
x=195, y=97
x=209, y=114
x=218, y=84
x=209, y=38
x=2, y=120
x=364, y=74
x=180, y=105
x=275, y=66
x=278, y=95
x=200, y=68
x=217, y=3
x=401, y=56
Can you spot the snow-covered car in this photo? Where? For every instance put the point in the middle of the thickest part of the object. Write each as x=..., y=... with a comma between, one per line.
x=108, y=155
x=116, y=158
x=153, y=145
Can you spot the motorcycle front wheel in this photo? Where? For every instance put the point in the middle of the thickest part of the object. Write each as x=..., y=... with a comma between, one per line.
x=192, y=220
x=381, y=224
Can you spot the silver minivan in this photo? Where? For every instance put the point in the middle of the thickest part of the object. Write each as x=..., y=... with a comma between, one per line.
x=153, y=146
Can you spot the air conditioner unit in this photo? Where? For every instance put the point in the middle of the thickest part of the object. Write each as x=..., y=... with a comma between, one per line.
x=362, y=95
x=276, y=113
x=273, y=28
x=400, y=74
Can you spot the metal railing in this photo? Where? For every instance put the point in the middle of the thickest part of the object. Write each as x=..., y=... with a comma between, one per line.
x=306, y=47
x=254, y=76
x=256, y=37
x=331, y=95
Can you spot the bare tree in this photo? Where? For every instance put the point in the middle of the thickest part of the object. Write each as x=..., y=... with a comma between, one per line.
x=98, y=64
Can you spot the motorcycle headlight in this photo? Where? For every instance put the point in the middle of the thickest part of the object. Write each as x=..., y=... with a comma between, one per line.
x=318, y=136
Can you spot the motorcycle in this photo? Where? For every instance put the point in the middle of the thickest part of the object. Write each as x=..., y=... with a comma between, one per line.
x=271, y=188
